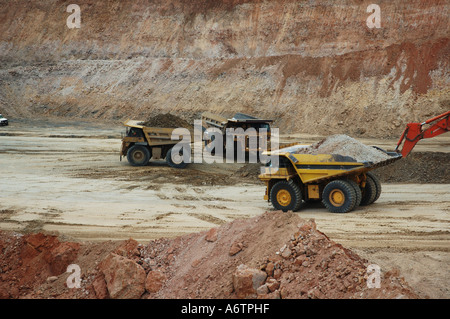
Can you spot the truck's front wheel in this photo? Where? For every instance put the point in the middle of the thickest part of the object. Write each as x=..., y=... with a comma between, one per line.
x=286, y=195
x=138, y=155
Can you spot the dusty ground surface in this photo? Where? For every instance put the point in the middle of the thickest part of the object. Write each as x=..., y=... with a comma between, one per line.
x=59, y=173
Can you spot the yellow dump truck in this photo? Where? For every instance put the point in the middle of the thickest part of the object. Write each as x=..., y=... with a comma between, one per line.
x=239, y=120
x=339, y=181
x=142, y=143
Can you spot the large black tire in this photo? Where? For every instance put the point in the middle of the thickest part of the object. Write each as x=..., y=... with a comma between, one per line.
x=285, y=196
x=138, y=155
x=239, y=152
x=177, y=162
x=377, y=185
x=369, y=192
x=209, y=145
x=357, y=192
x=339, y=196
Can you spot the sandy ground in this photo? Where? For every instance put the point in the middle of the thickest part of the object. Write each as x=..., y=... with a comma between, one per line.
x=67, y=178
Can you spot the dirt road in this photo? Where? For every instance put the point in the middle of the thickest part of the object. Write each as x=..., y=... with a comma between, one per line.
x=67, y=178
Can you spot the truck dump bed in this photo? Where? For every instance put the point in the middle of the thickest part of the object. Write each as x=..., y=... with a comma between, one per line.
x=317, y=168
x=154, y=135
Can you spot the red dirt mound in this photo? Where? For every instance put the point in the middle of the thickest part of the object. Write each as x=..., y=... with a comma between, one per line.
x=29, y=260
x=274, y=255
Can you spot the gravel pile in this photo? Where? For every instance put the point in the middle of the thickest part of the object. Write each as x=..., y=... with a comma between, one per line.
x=346, y=146
x=167, y=120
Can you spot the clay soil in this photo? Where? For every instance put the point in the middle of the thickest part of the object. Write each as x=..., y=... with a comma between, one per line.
x=295, y=260
x=62, y=172
x=418, y=167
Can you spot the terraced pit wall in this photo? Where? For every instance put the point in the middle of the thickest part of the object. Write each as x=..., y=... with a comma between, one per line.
x=313, y=66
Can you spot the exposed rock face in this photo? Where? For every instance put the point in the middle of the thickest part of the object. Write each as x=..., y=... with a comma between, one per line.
x=314, y=66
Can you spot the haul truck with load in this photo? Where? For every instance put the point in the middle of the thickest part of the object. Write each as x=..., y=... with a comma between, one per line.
x=143, y=143
x=250, y=125
x=341, y=182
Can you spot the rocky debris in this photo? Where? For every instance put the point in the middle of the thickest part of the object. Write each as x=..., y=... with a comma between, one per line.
x=154, y=281
x=61, y=256
x=235, y=248
x=211, y=236
x=124, y=278
x=316, y=267
x=277, y=255
x=246, y=281
x=167, y=120
x=249, y=171
x=417, y=167
x=28, y=260
x=100, y=288
x=344, y=145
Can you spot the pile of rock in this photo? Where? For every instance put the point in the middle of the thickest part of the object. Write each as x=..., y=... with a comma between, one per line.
x=310, y=265
x=124, y=274
x=274, y=255
x=28, y=260
x=344, y=145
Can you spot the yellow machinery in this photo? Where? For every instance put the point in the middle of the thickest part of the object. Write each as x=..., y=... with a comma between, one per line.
x=340, y=182
x=239, y=120
x=143, y=143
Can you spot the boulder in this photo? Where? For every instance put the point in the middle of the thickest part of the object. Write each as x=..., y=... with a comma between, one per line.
x=124, y=278
x=272, y=284
x=235, y=248
x=154, y=281
x=128, y=248
x=211, y=235
x=99, y=286
x=62, y=256
x=247, y=280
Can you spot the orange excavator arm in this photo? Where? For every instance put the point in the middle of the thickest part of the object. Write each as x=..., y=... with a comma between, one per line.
x=414, y=132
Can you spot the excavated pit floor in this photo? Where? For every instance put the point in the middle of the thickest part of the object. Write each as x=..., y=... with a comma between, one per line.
x=66, y=178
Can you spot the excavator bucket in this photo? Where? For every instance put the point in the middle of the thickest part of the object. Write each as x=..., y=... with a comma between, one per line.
x=414, y=132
